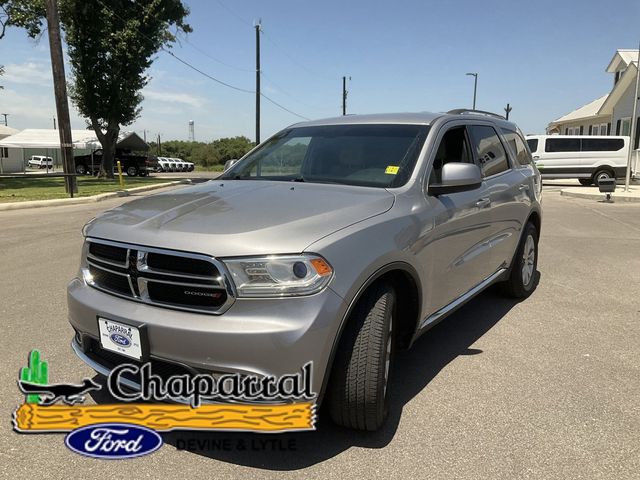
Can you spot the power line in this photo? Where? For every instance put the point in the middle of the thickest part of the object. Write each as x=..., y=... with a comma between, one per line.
x=236, y=15
x=217, y=60
x=280, y=89
x=210, y=77
x=308, y=70
x=268, y=37
x=283, y=108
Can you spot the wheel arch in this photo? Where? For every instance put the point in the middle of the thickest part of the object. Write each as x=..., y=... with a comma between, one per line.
x=407, y=285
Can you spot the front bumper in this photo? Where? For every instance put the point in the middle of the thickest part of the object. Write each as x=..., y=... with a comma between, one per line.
x=255, y=336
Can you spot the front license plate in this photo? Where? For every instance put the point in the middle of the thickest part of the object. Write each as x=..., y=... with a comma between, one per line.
x=120, y=338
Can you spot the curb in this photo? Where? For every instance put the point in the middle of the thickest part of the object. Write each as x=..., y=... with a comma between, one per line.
x=620, y=197
x=95, y=198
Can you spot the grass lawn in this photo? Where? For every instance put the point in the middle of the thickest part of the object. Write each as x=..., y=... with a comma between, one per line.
x=210, y=168
x=23, y=189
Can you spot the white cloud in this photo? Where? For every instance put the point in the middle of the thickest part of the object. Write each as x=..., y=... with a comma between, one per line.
x=174, y=97
x=34, y=110
x=29, y=73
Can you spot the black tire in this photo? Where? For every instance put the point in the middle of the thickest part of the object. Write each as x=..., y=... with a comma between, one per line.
x=358, y=396
x=143, y=173
x=81, y=169
x=585, y=181
x=132, y=171
x=519, y=285
x=603, y=173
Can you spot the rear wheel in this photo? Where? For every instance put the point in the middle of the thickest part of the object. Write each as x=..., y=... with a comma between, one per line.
x=358, y=394
x=585, y=181
x=523, y=278
x=132, y=171
x=602, y=175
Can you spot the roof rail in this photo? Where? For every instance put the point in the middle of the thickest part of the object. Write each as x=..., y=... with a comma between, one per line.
x=461, y=111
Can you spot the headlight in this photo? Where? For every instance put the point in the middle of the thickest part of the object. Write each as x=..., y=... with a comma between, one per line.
x=279, y=275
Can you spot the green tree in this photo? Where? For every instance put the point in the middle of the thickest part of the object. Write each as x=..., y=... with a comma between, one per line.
x=111, y=44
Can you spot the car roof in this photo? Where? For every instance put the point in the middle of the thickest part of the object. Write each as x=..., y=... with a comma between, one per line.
x=418, y=118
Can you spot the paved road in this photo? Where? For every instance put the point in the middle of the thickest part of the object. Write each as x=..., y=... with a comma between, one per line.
x=547, y=388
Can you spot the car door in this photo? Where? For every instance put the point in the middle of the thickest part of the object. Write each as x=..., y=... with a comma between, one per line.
x=506, y=189
x=455, y=247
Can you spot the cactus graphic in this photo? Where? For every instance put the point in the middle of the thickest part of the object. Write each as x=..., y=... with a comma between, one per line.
x=36, y=372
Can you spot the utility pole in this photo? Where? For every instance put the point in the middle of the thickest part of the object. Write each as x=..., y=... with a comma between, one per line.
x=5, y=115
x=475, y=87
x=634, y=126
x=159, y=150
x=257, y=27
x=60, y=90
x=508, y=111
x=344, y=95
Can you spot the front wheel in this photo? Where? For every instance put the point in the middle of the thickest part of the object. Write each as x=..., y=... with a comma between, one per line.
x=81, y=169
x=132, y=171
x=523, y=278
x=585, y=181
x=358, y=395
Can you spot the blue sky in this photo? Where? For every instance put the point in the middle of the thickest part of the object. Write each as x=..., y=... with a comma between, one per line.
x=545, y=58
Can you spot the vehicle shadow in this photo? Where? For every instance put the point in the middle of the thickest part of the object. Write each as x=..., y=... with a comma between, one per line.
x=414, y=369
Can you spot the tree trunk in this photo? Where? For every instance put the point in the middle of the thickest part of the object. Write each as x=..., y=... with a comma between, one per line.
x=108, y=141
x=108, y=154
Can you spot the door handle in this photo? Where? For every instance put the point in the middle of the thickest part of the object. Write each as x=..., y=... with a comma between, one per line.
x=523, y=188
x=483, y=203
x=536, y=157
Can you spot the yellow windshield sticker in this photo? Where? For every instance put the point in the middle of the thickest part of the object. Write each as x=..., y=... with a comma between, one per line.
x=392, y=170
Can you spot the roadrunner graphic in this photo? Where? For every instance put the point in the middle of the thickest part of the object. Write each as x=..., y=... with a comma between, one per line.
x=69, y=393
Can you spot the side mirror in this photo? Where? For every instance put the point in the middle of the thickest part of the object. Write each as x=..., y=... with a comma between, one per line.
x=457, y=177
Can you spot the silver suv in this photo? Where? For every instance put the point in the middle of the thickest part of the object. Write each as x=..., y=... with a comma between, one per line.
x=335, y=241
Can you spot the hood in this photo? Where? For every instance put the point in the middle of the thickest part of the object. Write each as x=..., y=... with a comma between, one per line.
x=240, y=217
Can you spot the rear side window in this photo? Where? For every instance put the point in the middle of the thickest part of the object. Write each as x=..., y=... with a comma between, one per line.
x=533, y=144
x=489, y=150
x=562, y=145
x=602, y=144
x=517, y=146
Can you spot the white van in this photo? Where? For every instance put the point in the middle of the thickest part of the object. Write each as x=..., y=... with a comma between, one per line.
x=585, y=157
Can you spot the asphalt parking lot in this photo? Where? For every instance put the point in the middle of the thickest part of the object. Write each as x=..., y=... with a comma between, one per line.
x=546, y=388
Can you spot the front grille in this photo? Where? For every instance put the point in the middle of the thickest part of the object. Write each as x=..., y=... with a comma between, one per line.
x=166, y=278
x=111, y=281
x=206, y=297
x=176, y=264
x=108, y=252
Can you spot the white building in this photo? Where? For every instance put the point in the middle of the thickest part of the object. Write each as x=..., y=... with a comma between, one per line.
x=16, y=149
x=611, y=113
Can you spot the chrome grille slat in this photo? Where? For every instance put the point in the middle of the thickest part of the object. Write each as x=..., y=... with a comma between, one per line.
x=210, y=294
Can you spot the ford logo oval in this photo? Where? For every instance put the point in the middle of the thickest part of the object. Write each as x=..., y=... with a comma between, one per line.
x=120, y=340
x=113, y=440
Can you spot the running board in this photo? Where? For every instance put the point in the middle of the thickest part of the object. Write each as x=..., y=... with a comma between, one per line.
x=444, y=311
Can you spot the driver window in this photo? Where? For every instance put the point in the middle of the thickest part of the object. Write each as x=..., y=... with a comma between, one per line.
x=453, y=148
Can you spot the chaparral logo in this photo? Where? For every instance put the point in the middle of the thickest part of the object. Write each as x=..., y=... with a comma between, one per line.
x=113, y=440
x=129, y=427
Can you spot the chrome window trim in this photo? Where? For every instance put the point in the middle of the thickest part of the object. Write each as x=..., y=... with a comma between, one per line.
x=142, y=296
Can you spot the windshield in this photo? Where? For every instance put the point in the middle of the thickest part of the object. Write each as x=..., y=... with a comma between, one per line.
x=366, y=155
